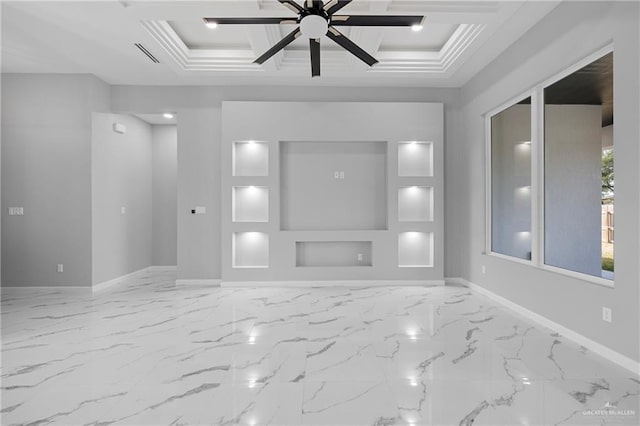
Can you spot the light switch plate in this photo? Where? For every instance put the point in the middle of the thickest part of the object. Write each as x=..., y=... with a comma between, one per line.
x=16, y=211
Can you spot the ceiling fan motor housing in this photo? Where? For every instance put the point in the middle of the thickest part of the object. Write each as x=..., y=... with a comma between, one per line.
x=314, y=26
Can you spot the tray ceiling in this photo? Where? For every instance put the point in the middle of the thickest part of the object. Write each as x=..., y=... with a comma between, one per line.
x=98, y=37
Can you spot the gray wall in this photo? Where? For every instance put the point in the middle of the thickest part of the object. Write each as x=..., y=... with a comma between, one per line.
x=199, y=117
x=165, y=195
x=46, y=168
x=121, y=178
x=569, y=33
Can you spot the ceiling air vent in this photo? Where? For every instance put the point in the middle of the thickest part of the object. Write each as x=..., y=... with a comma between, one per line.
x=146, y=52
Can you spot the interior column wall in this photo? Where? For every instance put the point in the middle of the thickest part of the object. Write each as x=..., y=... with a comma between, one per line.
x=121, y=196
x=165, y=193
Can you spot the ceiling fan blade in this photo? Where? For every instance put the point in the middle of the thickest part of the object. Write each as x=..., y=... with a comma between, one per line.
x=335, y=5
x=314, y=47
x=292, y=5
x=249, y=21
x=376, y=20
x=279, y=46
x=357, y=51
x=313, y=4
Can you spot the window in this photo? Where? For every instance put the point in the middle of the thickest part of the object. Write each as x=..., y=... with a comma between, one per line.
x=550, y=174
x=578, y=172
x=511, y=181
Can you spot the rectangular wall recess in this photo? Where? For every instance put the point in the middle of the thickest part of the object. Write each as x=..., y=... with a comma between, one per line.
x=415, y=249
x=250, y=158
x=333, y=253
x=250, y=204
x=415, y=159
x=415, y=204
x=250, y=250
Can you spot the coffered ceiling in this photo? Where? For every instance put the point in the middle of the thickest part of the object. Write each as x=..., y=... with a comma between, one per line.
x=458, y=39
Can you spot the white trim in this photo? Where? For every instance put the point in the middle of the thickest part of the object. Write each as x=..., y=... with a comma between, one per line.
x=162, y=268
x=105, y=284
x=344, y=283
x=511, y=258
x=199, y=282
x=603, y=351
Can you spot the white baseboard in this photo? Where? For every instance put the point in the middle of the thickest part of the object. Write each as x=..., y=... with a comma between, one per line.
x=343, y=283
x=603, y=351
x=110, y=283
x=199, y=282
x=162, y=268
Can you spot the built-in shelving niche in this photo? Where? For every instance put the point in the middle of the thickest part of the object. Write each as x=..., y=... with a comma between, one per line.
x=415, y=249
x=250, y=204
x=250, y=250
x=415, y=204
x=250, y=158
x=415, y=158
x=333, y=253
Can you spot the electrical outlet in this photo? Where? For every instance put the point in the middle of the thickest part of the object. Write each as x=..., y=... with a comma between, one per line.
x=201, y=210
x=341, y=175
x=123, y=210
x=336, y=175
x=360, y=257
x=607, y=315
x=484, y=269
x=60, y=267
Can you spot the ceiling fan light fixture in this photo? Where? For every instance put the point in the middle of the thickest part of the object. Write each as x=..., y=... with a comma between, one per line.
x=313, y=26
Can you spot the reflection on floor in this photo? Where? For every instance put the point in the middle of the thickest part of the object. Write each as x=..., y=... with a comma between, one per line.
x=148, y=352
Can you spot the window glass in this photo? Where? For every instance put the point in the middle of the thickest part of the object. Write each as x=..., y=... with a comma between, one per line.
x=578, y=170
x=511, y=181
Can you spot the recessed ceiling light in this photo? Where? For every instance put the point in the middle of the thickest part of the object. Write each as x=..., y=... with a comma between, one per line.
x=167, y=115
x=212, y=25
x=416, y=27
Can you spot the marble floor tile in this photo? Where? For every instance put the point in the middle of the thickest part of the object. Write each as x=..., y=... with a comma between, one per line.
x=148, y=352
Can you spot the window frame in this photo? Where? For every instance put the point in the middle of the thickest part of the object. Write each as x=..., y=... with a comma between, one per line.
x=537, y=173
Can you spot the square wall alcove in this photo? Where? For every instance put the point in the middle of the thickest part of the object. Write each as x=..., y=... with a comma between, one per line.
x=250, y=250
x=250, y=158
x=250, y=204
x=415, y=249
x=415, y=159
x=415, y=204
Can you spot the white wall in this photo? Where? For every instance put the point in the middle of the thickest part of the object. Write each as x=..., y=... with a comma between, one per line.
x=346, y=125
x=199, y=117
x=165, y=193
x=569, y=33
x=121, y=178
x=46, y=168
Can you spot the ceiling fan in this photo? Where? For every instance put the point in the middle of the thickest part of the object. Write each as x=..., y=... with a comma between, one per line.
x=317, y=18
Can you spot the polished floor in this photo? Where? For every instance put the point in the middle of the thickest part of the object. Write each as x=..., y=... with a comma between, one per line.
x=148, y=352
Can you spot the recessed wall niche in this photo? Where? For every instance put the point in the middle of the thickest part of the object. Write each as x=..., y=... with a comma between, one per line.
x=333, y=253
x=250, y=158
x=415, y=159
x=415, y=249
x=250, y=250
x=333, y=186
x=415, y=204
x=250, y=204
